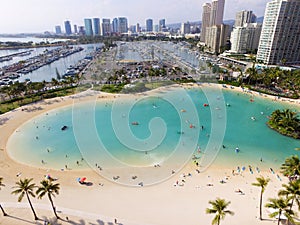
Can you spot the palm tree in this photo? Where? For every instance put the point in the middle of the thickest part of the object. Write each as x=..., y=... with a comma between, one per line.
x=47, y=187
x=25, y=187
x=292, y=190
x=291, y=166
x=281, y=205
x=261, y=182
x=218, y=208
x=2, y=185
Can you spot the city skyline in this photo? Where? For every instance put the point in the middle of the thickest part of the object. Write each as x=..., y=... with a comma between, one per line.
x=39, y=16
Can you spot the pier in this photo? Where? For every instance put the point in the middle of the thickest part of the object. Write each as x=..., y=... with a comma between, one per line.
x=10, y=56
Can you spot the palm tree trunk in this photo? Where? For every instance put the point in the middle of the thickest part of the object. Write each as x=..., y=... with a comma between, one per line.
x=288, y=221
x=4, y=213
x=35, y=216
x=53, y=207
x=279, y=213
x=260, y=206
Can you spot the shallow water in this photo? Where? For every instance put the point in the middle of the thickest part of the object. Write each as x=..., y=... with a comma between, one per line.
x=168, y=131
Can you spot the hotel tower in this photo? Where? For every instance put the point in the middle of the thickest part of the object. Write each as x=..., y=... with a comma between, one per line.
x=280, y=37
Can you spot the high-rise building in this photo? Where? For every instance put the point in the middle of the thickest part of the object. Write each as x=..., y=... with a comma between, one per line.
x=96, y=26
x=244, y=17
x=106, y=27
x=216, y=37
x=246, y=38
x=75, y=29
x=205, y=20
x=138, y=28
x=185, y=28
x=88, y=27
x=217, y=11
x=115, y=28
x=122, y=25
x=149, y=25
x=280, y=38
x=216, y=33
x=162, y=24
x=132, y=28
x=68, y=28
x=81, y=30
x=57, y=29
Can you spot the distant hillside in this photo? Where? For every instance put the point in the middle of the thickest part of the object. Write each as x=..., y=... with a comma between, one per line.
x=229, y=22
x=260, y=19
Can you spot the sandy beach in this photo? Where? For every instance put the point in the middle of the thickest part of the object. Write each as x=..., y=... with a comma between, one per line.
x=182, y=199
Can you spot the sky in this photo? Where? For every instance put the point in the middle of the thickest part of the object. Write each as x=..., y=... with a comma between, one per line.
x=29, y=16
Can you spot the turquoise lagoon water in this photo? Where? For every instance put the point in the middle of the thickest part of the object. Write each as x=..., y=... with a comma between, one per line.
x=165, y=130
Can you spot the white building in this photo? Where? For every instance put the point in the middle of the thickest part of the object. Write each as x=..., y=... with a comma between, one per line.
x=244, y=17
x=216, y=33
x=216, y=37
x=217, y=11
x=246, y=38
x=280, y=38
x=205, y=20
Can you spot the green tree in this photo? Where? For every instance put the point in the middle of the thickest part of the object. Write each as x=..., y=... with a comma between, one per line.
x=261, y=182
x=51, y=189
x=291, y=166
x=292, y=190
x=219, y=208
x=25, y=187
x=281, y=206
x=2, y=185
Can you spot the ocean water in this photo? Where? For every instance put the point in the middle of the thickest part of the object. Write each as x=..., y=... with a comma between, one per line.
x=169, y=128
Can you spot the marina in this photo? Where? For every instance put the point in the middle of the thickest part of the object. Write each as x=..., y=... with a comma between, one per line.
x=45, y=63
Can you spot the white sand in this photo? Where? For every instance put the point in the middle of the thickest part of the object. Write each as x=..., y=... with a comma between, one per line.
x=160, y=204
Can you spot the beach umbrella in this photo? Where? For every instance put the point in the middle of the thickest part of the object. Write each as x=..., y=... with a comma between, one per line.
x=82, y=179
x=78, y=179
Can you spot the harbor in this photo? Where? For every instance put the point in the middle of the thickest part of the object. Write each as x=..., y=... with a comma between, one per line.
x=46, y=63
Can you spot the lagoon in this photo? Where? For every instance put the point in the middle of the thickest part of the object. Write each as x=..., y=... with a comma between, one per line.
x=166, y=133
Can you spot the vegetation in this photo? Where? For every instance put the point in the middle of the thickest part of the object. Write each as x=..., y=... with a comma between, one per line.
x=25, y=187
x=261, y=182
x=112, y=88
x=291, y=166
x=19, y=94
x=219, y=208
x=285, y=122
x=273, y=81
x=2, y=185
x=281, y=206
x=50, y=189
x=292, y=191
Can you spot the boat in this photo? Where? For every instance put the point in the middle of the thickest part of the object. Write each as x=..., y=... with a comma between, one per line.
x=205, y=105
x=135, y=123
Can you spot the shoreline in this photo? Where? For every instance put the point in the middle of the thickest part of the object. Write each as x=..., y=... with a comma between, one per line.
x=121, y=202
